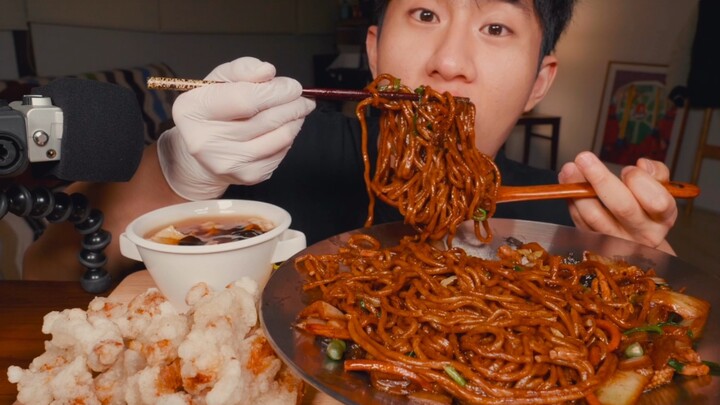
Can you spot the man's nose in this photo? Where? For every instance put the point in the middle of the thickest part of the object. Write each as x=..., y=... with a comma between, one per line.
x=452, y=58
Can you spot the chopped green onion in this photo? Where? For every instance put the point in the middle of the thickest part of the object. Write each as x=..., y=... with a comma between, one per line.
x=396, y=84
x=479, y=215
x=517, y=268
x=450, y=370
x=336, y=349
x=369, y=308
x=411, y=354
x=657, y=328
x=673, y=320
x=646, y=328
x=676, y=365
x=420, y=91
x=714, y=367
x=634, y=350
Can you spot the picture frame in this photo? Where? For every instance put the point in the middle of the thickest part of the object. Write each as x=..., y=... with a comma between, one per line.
x=636, y=117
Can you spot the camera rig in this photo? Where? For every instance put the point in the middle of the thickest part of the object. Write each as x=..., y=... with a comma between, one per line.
x=31, y=131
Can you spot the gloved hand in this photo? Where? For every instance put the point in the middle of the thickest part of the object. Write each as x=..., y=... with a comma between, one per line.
x=231, y=133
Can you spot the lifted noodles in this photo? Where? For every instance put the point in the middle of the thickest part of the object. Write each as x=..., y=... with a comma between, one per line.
x=428, y=166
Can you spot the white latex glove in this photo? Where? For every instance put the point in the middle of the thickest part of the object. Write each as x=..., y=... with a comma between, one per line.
x=231, y=133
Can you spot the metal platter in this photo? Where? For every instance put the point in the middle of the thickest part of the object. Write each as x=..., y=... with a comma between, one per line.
x=283, y=299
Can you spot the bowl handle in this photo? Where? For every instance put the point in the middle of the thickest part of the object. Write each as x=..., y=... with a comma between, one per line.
x=289, y=243
x=128, y=248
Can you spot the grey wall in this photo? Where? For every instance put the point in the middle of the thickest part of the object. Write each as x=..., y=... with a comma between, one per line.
x=8, y=66
x=66, y=50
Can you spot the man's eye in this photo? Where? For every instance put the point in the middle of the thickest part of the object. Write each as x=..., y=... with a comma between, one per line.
x=424, y=15
x=496, y=30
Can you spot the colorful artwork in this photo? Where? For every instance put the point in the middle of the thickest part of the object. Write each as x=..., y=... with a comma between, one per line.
x=636, y=117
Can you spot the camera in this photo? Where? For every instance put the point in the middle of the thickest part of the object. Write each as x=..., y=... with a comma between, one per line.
x=31, y=131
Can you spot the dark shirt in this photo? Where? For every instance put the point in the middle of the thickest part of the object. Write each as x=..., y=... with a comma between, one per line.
x=320, y=182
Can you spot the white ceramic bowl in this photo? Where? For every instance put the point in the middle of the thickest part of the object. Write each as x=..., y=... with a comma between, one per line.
x=175, y=269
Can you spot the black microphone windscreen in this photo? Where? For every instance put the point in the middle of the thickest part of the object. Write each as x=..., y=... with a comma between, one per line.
x=103, y=134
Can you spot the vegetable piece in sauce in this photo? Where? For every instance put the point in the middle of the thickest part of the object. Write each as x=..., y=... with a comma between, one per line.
x=209, y=231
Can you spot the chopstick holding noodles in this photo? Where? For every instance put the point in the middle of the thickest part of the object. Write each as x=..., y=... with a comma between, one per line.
x=179, y=84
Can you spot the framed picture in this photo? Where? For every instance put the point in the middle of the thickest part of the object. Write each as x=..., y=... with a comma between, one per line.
x=636, y=116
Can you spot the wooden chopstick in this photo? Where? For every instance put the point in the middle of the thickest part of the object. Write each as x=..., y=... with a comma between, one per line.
x=178, y=84
x=355, y=95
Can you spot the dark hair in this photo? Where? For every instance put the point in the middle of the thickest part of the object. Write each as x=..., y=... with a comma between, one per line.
x=554, y=16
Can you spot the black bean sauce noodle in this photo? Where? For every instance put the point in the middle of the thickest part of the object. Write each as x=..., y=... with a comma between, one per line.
x=428, y=166
x=527, y=328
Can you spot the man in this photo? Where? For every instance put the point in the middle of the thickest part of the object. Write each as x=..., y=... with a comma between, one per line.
x=496, y=52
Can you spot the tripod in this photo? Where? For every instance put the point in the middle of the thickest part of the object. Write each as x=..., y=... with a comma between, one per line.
x=56, y=207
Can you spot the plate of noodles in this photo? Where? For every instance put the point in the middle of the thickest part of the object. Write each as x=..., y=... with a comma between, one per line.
x=554, y=314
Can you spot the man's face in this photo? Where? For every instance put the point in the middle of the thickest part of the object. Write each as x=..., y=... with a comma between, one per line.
x=486, y=50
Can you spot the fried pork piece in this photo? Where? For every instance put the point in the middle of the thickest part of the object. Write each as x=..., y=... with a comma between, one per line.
x=79, y=346
x=111, y=386
x=272, y=381
x=99, y=340
x=159, y=384
x=70, y=383
x=146, y=353
x=149, y=324
x=226, y=355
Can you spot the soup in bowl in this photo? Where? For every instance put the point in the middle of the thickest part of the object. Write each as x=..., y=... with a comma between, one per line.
x=223, y=241
x=210, y=231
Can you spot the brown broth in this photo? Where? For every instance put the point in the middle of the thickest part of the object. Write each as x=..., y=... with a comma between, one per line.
x=210, y=230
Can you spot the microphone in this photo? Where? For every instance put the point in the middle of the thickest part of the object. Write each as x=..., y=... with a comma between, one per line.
x=76, y=130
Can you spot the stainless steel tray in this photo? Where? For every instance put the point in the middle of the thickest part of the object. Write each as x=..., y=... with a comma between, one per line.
x=283, y=298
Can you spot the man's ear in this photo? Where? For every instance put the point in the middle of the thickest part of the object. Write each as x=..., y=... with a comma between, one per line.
x=543, y=81
x=371, y=43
